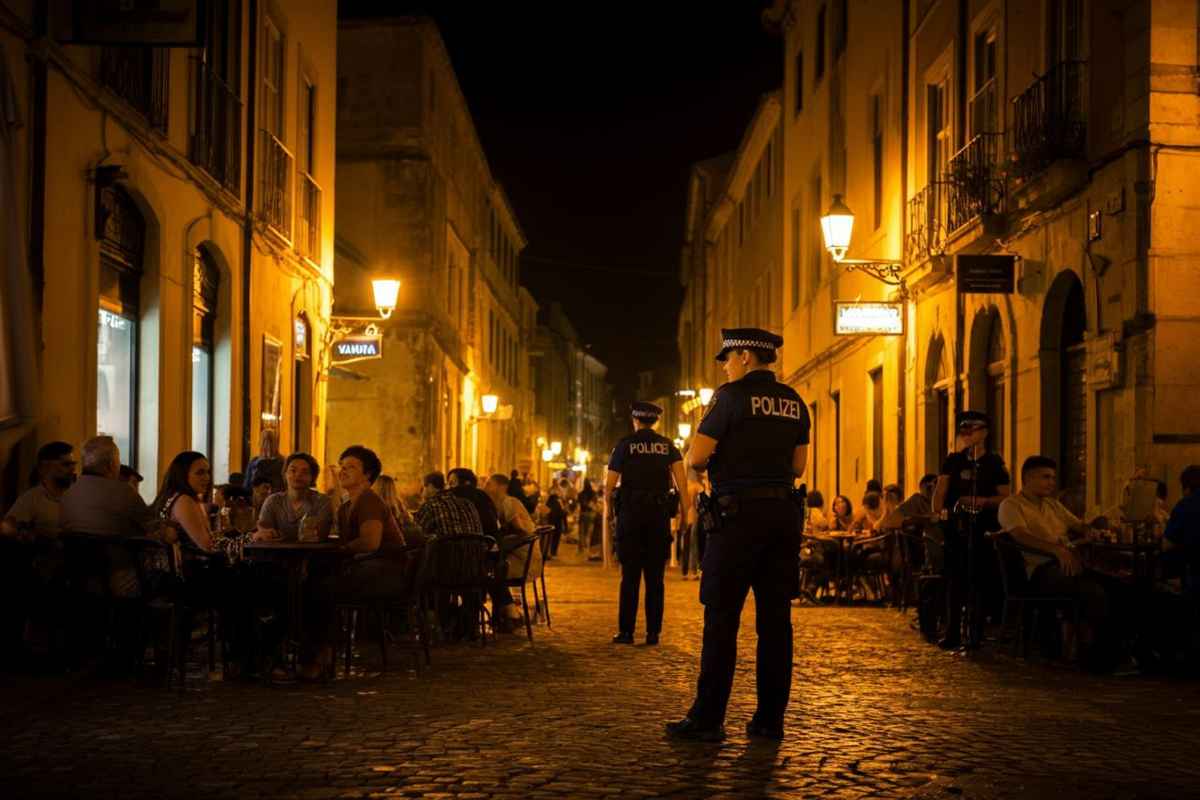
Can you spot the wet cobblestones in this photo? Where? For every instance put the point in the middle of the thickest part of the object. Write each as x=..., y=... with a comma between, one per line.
x=875, y=713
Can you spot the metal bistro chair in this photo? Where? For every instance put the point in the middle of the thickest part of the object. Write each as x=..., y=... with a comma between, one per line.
x=931, y=588
x=460, y=566
x=1019, y=600
x=545, y=535
x=869, y=562
x=407, y=596
x=518, y=581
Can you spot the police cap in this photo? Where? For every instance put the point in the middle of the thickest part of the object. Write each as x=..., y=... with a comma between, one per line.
x=765, y=342
x=646, y=411
x=973, y=419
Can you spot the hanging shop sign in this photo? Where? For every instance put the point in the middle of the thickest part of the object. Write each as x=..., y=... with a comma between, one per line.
x=138, y=23
x=868, y=319
x=986, y=274
x=357, y=348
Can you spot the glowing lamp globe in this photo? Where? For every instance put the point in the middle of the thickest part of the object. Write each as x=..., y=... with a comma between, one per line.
x=556, y=448
x=705, y=395
x=386, y=291
x=685, y=430
x=489, y=403
x=547, y=454
x=836, y=227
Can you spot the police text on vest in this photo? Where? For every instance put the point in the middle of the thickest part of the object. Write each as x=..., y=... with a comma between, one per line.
x=774, y=407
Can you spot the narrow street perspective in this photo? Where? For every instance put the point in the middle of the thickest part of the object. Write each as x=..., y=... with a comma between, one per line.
x=445, y=399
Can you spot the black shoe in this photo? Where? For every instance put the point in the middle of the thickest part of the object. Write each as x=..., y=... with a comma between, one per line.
x=756, y=729
x=651, y=638
x=623, y=638
x=687, y=728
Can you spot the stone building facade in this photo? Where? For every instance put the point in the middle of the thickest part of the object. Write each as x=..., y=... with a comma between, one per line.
x=419, y=203
x=1060, y=133
x=177, y=209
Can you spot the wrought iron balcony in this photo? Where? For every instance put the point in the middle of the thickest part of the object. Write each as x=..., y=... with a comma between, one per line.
x=141, y=77
x=973, y=182
x=217, y=136
x=927, y=212
x=277, y=166
x=308, y=217
x=1048, y=120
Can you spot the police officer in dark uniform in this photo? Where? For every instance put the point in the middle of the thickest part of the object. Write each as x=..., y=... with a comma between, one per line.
x=971, y=485
x=754, y=442
x=645, y=463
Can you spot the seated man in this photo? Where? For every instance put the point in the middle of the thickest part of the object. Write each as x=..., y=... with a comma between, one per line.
x=443, y=513
x=37, y=509
x=463, y=483
x=100, y=502
x=282, y=513
x=515, y=525
x=1036, y=520
x=1182, y=532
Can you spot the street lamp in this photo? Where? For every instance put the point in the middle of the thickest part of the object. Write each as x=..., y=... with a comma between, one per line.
x=547, y=454
x=386, y=291
x=706, y=394
x=489, y=403
x=836, y=228
x=685, y=430
x=556, y=448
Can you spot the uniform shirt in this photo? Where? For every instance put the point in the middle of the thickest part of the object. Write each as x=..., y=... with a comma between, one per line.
x=1044, y=517
x=37, y=508
x=991, y=475
x=644, y=460
x=758, y=423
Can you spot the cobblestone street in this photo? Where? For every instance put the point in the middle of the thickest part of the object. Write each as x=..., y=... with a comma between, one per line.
x=875, y=713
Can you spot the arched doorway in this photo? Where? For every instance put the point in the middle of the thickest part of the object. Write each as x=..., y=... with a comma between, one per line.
x=989, y=352
x=937, y=405
x=122, y=231
x=1063, y=359
x=206, y=280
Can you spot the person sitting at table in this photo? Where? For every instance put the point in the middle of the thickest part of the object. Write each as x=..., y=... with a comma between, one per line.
x=463, y=483
x=259, y=492
x=36, y=511
x=366, y=528
x=181, y=497
x=444, y=513
x=1037, y=521
x=869, y=516
x=515, y=525
x=841, y=515
x=282, y=512
x=388, y=492
x=814, y=508
x=131, y=476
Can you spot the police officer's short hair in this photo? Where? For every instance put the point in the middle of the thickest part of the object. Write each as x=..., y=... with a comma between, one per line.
x=763, y=356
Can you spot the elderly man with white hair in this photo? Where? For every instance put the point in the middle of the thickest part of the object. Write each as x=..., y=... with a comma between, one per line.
x=100, y=502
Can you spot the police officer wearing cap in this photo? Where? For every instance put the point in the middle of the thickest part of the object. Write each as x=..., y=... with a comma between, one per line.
x=753, y=441
x=645, y=463
x=971, y=485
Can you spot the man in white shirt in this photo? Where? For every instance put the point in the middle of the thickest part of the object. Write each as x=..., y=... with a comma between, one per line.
x=1037, y=521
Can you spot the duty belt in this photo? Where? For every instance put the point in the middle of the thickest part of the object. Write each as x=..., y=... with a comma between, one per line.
x=756, y=493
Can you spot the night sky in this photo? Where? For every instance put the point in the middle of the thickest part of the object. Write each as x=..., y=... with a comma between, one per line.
x=590, y=116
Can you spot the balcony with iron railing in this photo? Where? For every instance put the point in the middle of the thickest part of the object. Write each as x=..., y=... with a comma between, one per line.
x=216, y=145
x=927, y=223
x=1049, y=122
x=973, y=182
x=276, y=168
x=308, y=217
x=141, y=77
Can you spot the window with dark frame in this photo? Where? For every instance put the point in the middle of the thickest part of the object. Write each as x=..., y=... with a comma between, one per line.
x=216, y=133
x=205, y=282
x=876, y=376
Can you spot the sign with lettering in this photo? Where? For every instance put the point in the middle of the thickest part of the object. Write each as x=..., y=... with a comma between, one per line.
x=868, y=319
x=357, y=348
x=986, y=274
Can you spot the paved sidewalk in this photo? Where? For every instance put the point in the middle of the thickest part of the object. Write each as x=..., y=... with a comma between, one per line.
x=875, y=713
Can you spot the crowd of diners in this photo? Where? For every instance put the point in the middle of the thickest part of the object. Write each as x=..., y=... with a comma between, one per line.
x=1129, y=614
x=277, y=499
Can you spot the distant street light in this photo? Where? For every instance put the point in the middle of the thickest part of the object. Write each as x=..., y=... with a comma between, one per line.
x=489, y=403
x=685, y=430
x=705, y=395
x=386, y=291
x=556, y=448
x=547, y=454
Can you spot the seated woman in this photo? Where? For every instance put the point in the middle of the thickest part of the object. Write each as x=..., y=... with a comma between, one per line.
x=841, y=516
x=182, y=497
x=283, y=512
x=815, y=520
x=366, y=527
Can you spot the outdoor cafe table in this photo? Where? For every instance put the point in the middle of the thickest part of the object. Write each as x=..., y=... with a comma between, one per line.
x=843, y=579
x=1141, y=556
x=295, y=557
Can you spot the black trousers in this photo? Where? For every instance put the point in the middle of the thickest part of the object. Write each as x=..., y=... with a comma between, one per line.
x=757, y=549
x=968, y=568
x=643, y=546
